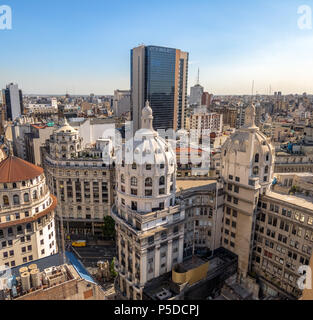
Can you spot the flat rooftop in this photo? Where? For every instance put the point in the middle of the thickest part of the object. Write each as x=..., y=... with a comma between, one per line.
x=189, y=184
x=298, y=200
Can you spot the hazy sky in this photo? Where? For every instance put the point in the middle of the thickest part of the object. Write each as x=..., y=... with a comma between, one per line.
x=84, y=46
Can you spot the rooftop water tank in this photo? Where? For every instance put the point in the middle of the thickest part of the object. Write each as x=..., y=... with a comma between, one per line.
x=25, y=278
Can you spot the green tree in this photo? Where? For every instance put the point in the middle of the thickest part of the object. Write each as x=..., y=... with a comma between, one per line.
x=109, y=227
x=113, y=272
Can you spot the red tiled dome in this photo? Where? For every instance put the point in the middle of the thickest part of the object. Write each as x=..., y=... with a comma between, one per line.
x=14, y=169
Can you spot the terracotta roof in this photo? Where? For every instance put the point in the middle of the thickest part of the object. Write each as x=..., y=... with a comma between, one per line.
x=14, y=169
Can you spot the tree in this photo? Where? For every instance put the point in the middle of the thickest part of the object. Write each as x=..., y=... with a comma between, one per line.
x=113, y=272
x=109, y=227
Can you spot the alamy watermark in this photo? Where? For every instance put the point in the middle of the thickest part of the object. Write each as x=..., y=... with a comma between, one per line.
x=5, y=17
x=305, y=19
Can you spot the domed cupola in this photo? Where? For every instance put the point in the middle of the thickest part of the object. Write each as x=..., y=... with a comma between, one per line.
x=248, y=155
x=65, y=142
x=146, y=170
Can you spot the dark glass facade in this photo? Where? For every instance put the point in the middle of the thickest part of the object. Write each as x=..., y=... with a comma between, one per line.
x=159, y=74
x=160, y=84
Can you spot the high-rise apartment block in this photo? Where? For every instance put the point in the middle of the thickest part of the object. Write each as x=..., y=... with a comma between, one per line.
x=13, y=99
x=160, y=75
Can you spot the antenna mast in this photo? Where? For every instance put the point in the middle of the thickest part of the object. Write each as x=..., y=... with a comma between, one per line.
x=198, y=78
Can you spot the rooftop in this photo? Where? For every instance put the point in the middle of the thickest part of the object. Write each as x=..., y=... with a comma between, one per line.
x=190, y=184
x=298, y=200
x=14, y=169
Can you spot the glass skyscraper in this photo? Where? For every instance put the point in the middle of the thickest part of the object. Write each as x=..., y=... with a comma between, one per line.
x=159, y=75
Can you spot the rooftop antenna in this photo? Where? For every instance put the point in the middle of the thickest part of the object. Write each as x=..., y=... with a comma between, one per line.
x=198, y=78
x=252, y=90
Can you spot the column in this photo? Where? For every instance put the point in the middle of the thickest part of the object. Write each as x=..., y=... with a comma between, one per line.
x=169, y=255
x=143, y=268
x=157, y=261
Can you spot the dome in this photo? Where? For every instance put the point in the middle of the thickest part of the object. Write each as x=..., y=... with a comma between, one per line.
x=147, y=111
x=14, y=169
x=147, y=117
x=248, y=154
x=146, y=170
x=66, y=128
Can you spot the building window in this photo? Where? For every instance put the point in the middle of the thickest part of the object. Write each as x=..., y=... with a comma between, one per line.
x=148, y=167
x=148, y=193
x=6, y=201
x=162, y=181
x=256, y=158
x=16, y=200
x=134, y=192
x=122, y=178
x=148, y=182
x=133, y=181
x=134, y=205
x=161, y=191
x=255, y=171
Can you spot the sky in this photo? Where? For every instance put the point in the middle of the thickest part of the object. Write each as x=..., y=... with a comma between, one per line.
x=83, y=47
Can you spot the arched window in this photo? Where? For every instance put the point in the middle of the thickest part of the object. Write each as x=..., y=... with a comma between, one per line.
x=256, y=158
x=267, y=156
x=266, y=170
x=134, y=166
x=162, y=181
x=6, y=201
x=255, y=171
x=14, y=185
x=122, y=178
x=41, y=191
x=26, y=197
x=35, y=194
x=133, y=181
x=16, y=199
x=148, y=182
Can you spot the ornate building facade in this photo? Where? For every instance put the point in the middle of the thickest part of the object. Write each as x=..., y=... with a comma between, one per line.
x=27, y=212
x=80, y=178
x=157, y=227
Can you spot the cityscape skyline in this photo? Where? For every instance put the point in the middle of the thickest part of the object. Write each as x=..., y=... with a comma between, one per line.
x=238, y=44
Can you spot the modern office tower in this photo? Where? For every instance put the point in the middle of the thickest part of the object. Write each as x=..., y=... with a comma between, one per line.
x=27, y=226
x=13, y=101
x=247, y=170
x=196, y=93
x=81, y=179
x=149, y=223
x=159, y=75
